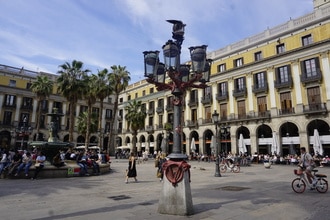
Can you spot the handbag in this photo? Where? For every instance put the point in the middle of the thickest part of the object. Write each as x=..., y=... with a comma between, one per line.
x=37, y=164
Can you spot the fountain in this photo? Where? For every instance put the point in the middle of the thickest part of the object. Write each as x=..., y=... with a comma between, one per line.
x=53, y=145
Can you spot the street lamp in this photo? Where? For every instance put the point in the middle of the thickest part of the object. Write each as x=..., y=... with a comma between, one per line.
x=215, y=118
x=181, y=78
x=225, y=133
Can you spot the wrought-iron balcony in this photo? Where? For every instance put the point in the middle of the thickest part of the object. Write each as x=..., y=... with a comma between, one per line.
x=9, y=105
x=191, y=124
x=108, y=117
x=239, y=92
x=207, y=99
x=193, y=102
x=278, y=84
x=27, y=107
x=207, y=121
x=310, y=79
x=151, y=111
x=222, y=96
x=260, y=89
x=286, y=111
x=315, y=108
x=170, y=108
x=149, y=128
x=160, y=109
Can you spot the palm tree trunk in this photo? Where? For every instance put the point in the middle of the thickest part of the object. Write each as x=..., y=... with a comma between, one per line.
x=88, y=130
x=71, y=123
x=112, y=126
x=38, y=120
x=100, y=125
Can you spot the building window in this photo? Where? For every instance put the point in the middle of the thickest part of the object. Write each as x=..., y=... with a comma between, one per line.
x=151, y=90
x=7, y=118
x=241, y=109
x=108, y=113
x=58, y=105
x=83, y=108
x=222, y=67
x=238, y=62
x=310, y=67
x=258, y=56
x=286, y=103
x=128, y=97
x=222, y=89
x=262, y=105
x=136, y=95
x=194, y=115
x=44, y=105
x=143, y=92
x=307, y=40
x=280, y=48
x=240, y=84
x=283, y=74
x=28, y=85
x=223, y=111
x=12, y=83
x=208, y=113
x=10, y=100
x=260, y=80
x=27, y=102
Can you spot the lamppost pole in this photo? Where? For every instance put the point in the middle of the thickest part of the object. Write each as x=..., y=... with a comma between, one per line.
x=215, y=118
x=225, y=134
x=23, y=131
x=181, y=78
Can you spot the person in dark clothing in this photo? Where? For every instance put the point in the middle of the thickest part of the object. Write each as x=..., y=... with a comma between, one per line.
x=131, y=171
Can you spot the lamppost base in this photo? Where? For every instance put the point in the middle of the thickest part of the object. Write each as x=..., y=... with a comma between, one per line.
x=177, y=156
x=176, y=200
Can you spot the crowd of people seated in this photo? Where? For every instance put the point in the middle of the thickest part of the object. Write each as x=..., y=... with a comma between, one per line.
x=12, y=163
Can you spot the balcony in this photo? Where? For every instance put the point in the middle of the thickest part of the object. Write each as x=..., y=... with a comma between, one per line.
x=149, y=129
x=151, y=111
x=193, y=102
x=315, y=108
x=278, y=84
x=160, y=109
x=27, y=107
x=286, y=111
x=222, y=96
x=239, y=92
x=252, y=116
x=170, y=108
x=192, y=124
x=9, y=105
x=207, y=99
x=207, y=121
x=260, y=89
x=311, y=79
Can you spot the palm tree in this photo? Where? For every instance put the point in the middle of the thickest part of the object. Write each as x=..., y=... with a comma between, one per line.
x=70, y=85
x=42, y=87
x=89, y=94
x=82, y=123
x=135, y=117
x=118, y=82
x=102, y=91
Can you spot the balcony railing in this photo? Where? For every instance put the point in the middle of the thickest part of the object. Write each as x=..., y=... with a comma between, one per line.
x=9, y=105
x=315, y=108
x=27, y=107
x=260, y=89
x=170, y=108
x=149, y=128
x=310, y=79
x=239, y=92
x=222, y=96
x=207, y=99
x=207, y=121
x=286, y=111
x=151, y=111
x=160, y=109
x=191, y=124
x=278, y=84
x=193, y=102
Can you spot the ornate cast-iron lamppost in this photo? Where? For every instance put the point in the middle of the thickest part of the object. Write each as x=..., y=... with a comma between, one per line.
x=181, y=78
x=23, y=131
x=215, y=118
x=225, y=133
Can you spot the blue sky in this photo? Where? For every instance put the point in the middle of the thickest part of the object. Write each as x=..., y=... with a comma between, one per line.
x=40, y=35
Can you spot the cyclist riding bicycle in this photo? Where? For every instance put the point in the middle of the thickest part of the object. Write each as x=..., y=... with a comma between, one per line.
x=306, y=164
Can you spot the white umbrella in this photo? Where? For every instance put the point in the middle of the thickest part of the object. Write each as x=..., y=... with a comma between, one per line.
x=241, y=144
x=317, y=145
x=275, y=144
x=163, y=145
x=193, y=145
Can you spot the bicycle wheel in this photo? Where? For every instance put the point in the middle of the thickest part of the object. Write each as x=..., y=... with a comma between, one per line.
x=236, y=169
x=322, y=186
x=223, y=168
x=298, y=185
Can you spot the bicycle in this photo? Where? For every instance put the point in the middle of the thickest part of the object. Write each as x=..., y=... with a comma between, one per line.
x=299, y=184
x=233, y=167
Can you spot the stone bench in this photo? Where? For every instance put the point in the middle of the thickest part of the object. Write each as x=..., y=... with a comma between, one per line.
x=49, y=171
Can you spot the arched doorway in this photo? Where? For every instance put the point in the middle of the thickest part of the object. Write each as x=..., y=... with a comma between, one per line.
x=207, y=146
x=265, y=136
x=289, y=136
